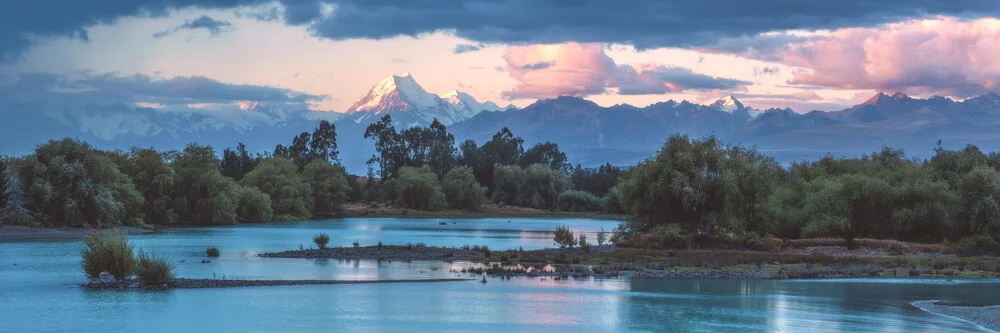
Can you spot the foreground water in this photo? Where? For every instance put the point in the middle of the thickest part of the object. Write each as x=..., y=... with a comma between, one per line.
x=39, y=289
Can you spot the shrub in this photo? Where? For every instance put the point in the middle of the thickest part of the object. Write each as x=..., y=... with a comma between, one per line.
x=611, y=203
x=356, y=244
x=107, y=251
x=321, y=240
x=212, y=252
x=379, y=245
x=578, y=201
x=602, y=236
x=564, y=237
x=668, y=236
x=416, y=188
x=152, y=269
x=978, y=245
x=583, y=242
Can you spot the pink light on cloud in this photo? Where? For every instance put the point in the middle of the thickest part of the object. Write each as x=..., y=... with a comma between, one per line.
x=574, y=69
x=940, y=56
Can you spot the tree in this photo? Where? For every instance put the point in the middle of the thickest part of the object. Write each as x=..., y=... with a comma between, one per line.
x=441, y=156
x=12, y=208
x=324, y=142
x=299, y=151
x=597, y=181
x=564, y=237
x=416, y=188
x=541, y=187
x=71, y=184
x=328, y=184
x=291, y=196
x=547, y=154
x=462, y=190
x=203, y=195
x=389, y=147
x=578, y=201
x=153, y=177
x=507, y=180
x=602, y=236
x=503, y=149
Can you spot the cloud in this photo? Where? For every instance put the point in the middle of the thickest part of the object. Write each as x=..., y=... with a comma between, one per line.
x=766, y=70
x=109, y=89
x=573, y=69
x=942, y=56
x=513, y=21
x=214, y=27
x=465, y=48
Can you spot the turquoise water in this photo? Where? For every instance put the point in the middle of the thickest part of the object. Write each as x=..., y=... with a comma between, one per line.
x=39, y=289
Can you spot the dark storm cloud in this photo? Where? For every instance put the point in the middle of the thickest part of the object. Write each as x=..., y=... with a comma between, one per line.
x=465, y=48
x=213, y=26
x=645, y=24
x=188, y=90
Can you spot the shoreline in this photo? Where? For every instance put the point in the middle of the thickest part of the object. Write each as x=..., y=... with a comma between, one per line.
x=213, y=283
x=986, y=317
x=609, y=261
x=16, y=234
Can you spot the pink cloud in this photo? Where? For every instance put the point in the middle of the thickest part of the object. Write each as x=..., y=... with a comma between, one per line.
x=574, y=69
x=940, y=56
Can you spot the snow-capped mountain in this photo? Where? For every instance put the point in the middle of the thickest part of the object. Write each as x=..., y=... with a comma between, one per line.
x=410, y=105
x=728, y=104
x=731, y=105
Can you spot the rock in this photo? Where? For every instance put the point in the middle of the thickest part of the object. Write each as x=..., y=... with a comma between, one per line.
x=106, y=278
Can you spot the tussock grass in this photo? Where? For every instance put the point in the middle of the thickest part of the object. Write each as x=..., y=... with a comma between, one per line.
x=107, y=251
x=152, y=269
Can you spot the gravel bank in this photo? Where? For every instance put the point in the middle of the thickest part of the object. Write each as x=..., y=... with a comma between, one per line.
x=210, y=283
x=384, y=253
x=986, y=316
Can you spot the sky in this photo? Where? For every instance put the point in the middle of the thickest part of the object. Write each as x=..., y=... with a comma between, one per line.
x=324, y=55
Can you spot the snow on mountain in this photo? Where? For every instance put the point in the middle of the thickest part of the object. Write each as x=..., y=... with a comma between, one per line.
x=728, y=104
x=410, y=104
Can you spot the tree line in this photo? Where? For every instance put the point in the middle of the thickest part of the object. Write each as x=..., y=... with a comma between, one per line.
x=705, y=187
x=68, y=182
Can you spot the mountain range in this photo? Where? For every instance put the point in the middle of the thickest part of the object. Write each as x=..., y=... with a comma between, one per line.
x=589, y=133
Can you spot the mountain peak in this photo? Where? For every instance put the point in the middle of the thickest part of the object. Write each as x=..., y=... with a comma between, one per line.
x=402, y=93
x=880, y=96
x=899, y=95
x=728, y=104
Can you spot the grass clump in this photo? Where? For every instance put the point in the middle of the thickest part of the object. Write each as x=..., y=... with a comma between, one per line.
x=107, y=251
x=212, y=252
x=151, y=269
x=321, y=240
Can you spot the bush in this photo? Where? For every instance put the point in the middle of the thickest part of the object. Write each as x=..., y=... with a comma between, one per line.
x=356, y=244
x=107, y=251
x=578, y=201
x=668, y=237
x=212, y=252
x=978, y=245
x=322, y=239
x=602, y=236
x=611, y=203
x=583, y=242
x=564, y=237
x=152, y=269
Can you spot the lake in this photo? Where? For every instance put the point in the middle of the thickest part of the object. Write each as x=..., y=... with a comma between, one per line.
x=39, y=289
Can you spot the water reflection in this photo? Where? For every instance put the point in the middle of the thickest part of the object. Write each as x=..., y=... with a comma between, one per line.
x=43, y=284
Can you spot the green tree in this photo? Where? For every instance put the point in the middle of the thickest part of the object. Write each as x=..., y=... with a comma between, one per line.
x=461, y=189
x=507, y=180
x=564, y=237
x=203, y=195
x=150, y=172
x=12, y=207
x=329, y=187
x=323, y=144
x=72, y=184
x=416, y=188
x=291, y=196
x=578, y=201
x=547, y=154
x=541, y=187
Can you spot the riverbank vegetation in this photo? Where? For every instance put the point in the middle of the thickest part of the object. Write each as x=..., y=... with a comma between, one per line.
x=695, y=193
x=702, y=192
x=108, y=257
